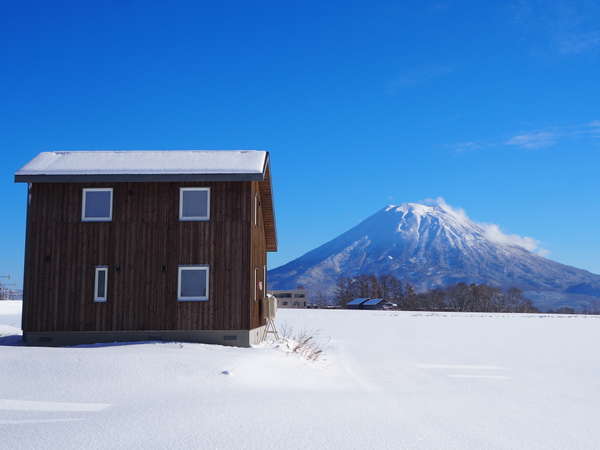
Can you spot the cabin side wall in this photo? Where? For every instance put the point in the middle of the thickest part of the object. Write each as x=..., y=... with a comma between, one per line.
x=258, y=260
x=142, y=247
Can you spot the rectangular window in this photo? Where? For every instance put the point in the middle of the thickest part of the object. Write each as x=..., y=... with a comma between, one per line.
x=192, y=283
x=97, y=205
x=101, y=284
x=194, y=204
x=256, y=209
x=255, y=284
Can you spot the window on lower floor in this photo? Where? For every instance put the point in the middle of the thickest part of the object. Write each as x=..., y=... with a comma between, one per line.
x=192, y=284
x=101, y=284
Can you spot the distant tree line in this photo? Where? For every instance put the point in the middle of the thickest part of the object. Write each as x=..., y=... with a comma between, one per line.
x=458, y=297
x=593, y=307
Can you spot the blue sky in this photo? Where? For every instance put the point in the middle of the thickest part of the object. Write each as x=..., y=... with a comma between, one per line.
x=494, y=106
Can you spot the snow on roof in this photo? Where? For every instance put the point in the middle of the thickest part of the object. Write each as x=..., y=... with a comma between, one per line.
x=149, y=162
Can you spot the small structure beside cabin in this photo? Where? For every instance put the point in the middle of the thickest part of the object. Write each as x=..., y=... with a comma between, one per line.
x=294, y=298
x=146, y=245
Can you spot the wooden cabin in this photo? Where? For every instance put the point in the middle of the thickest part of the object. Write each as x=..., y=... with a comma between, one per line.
x=147, y=245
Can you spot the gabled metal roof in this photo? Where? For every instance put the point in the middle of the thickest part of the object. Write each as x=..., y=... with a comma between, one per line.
x=145, y=165
x=357, y=301
x=373, y=301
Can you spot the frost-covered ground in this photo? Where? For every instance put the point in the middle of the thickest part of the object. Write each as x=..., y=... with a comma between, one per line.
x=387, y=380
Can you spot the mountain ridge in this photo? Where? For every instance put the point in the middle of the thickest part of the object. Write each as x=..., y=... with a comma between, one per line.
x=434, y=245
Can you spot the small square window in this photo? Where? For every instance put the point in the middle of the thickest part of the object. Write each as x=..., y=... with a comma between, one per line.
x=97, y=205
x=101, y=284
x=194, y=204
x=192, y=284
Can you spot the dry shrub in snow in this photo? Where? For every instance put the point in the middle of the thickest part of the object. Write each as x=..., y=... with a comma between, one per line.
x=302, y=343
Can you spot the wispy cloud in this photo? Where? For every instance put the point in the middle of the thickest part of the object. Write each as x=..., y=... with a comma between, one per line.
x=536, y=139
x=492, y=231
x=579, y=43
x=495, y=234
x=566, y=26
x=595, y=127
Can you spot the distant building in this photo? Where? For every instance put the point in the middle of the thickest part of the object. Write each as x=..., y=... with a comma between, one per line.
x=370, y=303
x=15, y=294
x=355, y=304
x=10, y=294
x=294, y=298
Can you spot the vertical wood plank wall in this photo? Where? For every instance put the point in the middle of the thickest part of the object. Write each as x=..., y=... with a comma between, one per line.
x=143, y=246
x=258, y=261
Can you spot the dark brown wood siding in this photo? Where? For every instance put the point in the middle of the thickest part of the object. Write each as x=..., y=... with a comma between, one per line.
x=258, y=259
x=143, y=247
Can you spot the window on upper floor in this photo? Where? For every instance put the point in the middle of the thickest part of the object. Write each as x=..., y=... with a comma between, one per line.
x=194, y=204
x=97, y=205
x=192, y=283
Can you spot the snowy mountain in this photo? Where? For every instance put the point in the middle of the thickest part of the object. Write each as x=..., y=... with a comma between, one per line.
x=432, y=245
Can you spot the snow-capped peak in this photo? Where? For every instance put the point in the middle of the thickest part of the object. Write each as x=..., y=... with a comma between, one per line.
x=450, y=217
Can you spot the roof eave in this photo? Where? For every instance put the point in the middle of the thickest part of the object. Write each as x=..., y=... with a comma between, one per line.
x=137, y=177
x=271, y=230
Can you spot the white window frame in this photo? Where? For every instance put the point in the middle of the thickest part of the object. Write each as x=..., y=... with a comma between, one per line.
x=96, y=279
x=256, y=284
x=96, y=219
x=256, y=209
x=194, y=218
x=199, y=267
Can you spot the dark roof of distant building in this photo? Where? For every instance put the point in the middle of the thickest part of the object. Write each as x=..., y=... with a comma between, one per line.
x=373, y=302
x=357, y=301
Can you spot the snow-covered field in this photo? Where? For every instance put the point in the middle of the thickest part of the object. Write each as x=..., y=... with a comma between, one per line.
x=387, y=380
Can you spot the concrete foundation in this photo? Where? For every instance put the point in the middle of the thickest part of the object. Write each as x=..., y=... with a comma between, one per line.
x=234, y=338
